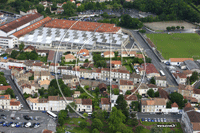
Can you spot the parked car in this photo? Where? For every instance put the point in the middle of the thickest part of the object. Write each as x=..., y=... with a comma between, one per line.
x=152, y=120
x=13, y=125
x=27, y=117
x=149, y=120
x=36, y=118
x=5, y=124
x=158, y=120
x=1, y=123
x=161, y=119
x=142, y=119
x=31, y=118
x=155, y=120
x=17, y=118
x=37, y=125
x=145, y=119
x=28, y=124
x=9, y=124
x=23, y=124
x=13, y=118
x=165, y=120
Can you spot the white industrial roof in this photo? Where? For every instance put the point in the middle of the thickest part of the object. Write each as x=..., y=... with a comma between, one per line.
x=45, y=35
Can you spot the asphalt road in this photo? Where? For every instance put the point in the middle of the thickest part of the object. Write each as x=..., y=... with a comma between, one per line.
x=169, y=117
x=159, y=65
x=57, y=56
x=45, y=122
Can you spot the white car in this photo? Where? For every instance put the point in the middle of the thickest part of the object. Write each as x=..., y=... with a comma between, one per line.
x=17, y=118
x=28, y=124
x=22, y=105
x=13, y=125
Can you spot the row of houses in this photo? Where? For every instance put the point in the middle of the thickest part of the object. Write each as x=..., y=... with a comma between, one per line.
x=6, y=103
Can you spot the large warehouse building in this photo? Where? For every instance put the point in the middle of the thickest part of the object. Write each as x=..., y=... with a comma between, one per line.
x=6, y=31
x=89, y=34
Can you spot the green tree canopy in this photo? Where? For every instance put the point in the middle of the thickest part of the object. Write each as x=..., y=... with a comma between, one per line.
x=21, y=46
x=10, y=92
x=83, y=124
x=62, y=116
x=97, y=124
x=178, y=98
x=122, y=105
x=150, y=92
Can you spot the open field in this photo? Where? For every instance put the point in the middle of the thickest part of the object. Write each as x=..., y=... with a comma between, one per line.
x=162, y=25
x=177, y=45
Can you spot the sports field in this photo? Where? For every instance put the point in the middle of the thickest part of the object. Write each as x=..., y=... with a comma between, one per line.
x=177, y=45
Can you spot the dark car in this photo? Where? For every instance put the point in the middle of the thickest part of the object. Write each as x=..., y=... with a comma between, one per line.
x=9, y=124
x=23, y=124
x=32, y=126
x=26, y=117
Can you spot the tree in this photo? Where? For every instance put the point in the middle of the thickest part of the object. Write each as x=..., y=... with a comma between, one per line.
x=182, y=27
x=21, y=47
x=41, y=91
x=168, y=28
x=85, y=114
x=156, y=130
x=156, y=94
x=73, y=105
x=168, y=104
x=148, y=60
x=26, y=95
x=48, y=10
x=153, y=81
x=128, y=92
x=62, y=116
x=10, y=92
x=150, y=92
x=178, y=98
x=95, y=131
x=86, y=61
x=14, y=54
x=135, y=105
x=194, y=77
x=40, y=8
x=3, y=80
x=122, y=104
x=177, y=27
x=116, y=91
x=3, y=1
x=97, y=124
x=83, y=124
x=116, y=120
x=139, y=129
x=173, y=27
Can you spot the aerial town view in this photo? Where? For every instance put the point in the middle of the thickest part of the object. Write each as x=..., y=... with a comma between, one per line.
x=99, y=66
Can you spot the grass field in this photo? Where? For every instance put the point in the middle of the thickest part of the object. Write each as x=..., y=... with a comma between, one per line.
x=178, y=45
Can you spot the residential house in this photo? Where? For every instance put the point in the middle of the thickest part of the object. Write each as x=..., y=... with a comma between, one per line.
x=178, y=61
x=52, y=103
x=143, y=88
x=188, y=73
x=50, y=56
x=76, y=94
x=191, y=65
x=153, y=105
x=136, y=78
x=30, y=49
x=37, y=75
x=4, y=88
x=196, y=94
x=113, y=100
x=149, y=69
x=44, y=83
x=152, y=86
x=163, y=94
x=59, y=10
x=42, y=53
x=53, y=67
x=116, y=64
x=102, y=87
x=185, y=90
x=96, y=73
x=161, y=81
x=69, y=79
x=128, y=53
x=45, y=75
x=125, y=85
x=130, y=98
x=83, y=54
x=36, y=66
x=92, y=84
x=5, y=102
x=190, y=119
x=84, y=105
x=108, y=54
x=193, y=101
x=59, y=5
x=78, y=4
x=85, y=74
x=14, y=104
x=180, y=78
x=105, y=104
x=28, y=64
x=69, y=57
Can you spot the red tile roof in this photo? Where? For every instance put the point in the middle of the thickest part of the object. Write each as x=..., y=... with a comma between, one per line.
x=5, y=87
x=105, y=101
x=139, y=56
x=150, y=68
x=116, y=62
x=86, y=101
x=51, y=55
x=108, y=52
x=5, y=97
x=130, y=97
x=174, y=104
x=14, y=103
x=126, y=82
x=31, y=27
x=19, y=22
x=83, y=26
x=180, y=59
x=115, y=87
x=85, y=52
x=70, y=56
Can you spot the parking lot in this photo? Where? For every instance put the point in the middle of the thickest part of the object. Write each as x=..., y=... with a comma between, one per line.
x=45, y=122
x=169, y=117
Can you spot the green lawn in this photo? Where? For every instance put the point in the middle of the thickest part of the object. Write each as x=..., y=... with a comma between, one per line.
x=72, y=128
x=166, y=130
x=178, y=45
x=43, y=59
x=145, y=131
x=128, y=67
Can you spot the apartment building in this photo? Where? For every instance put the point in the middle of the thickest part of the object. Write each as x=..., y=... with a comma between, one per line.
x=83, y=105
x=52, y=103
x=185, y=90
x=136, y=78
x=105, y=104
x=69, y=57
x=6, y=103
x=180, y=78
x=153, y=105
x=161, y=81
x=125, y=85
x=128, y=53
x=130, y=98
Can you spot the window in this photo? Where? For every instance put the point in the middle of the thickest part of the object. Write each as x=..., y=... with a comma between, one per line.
x=88, y=106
